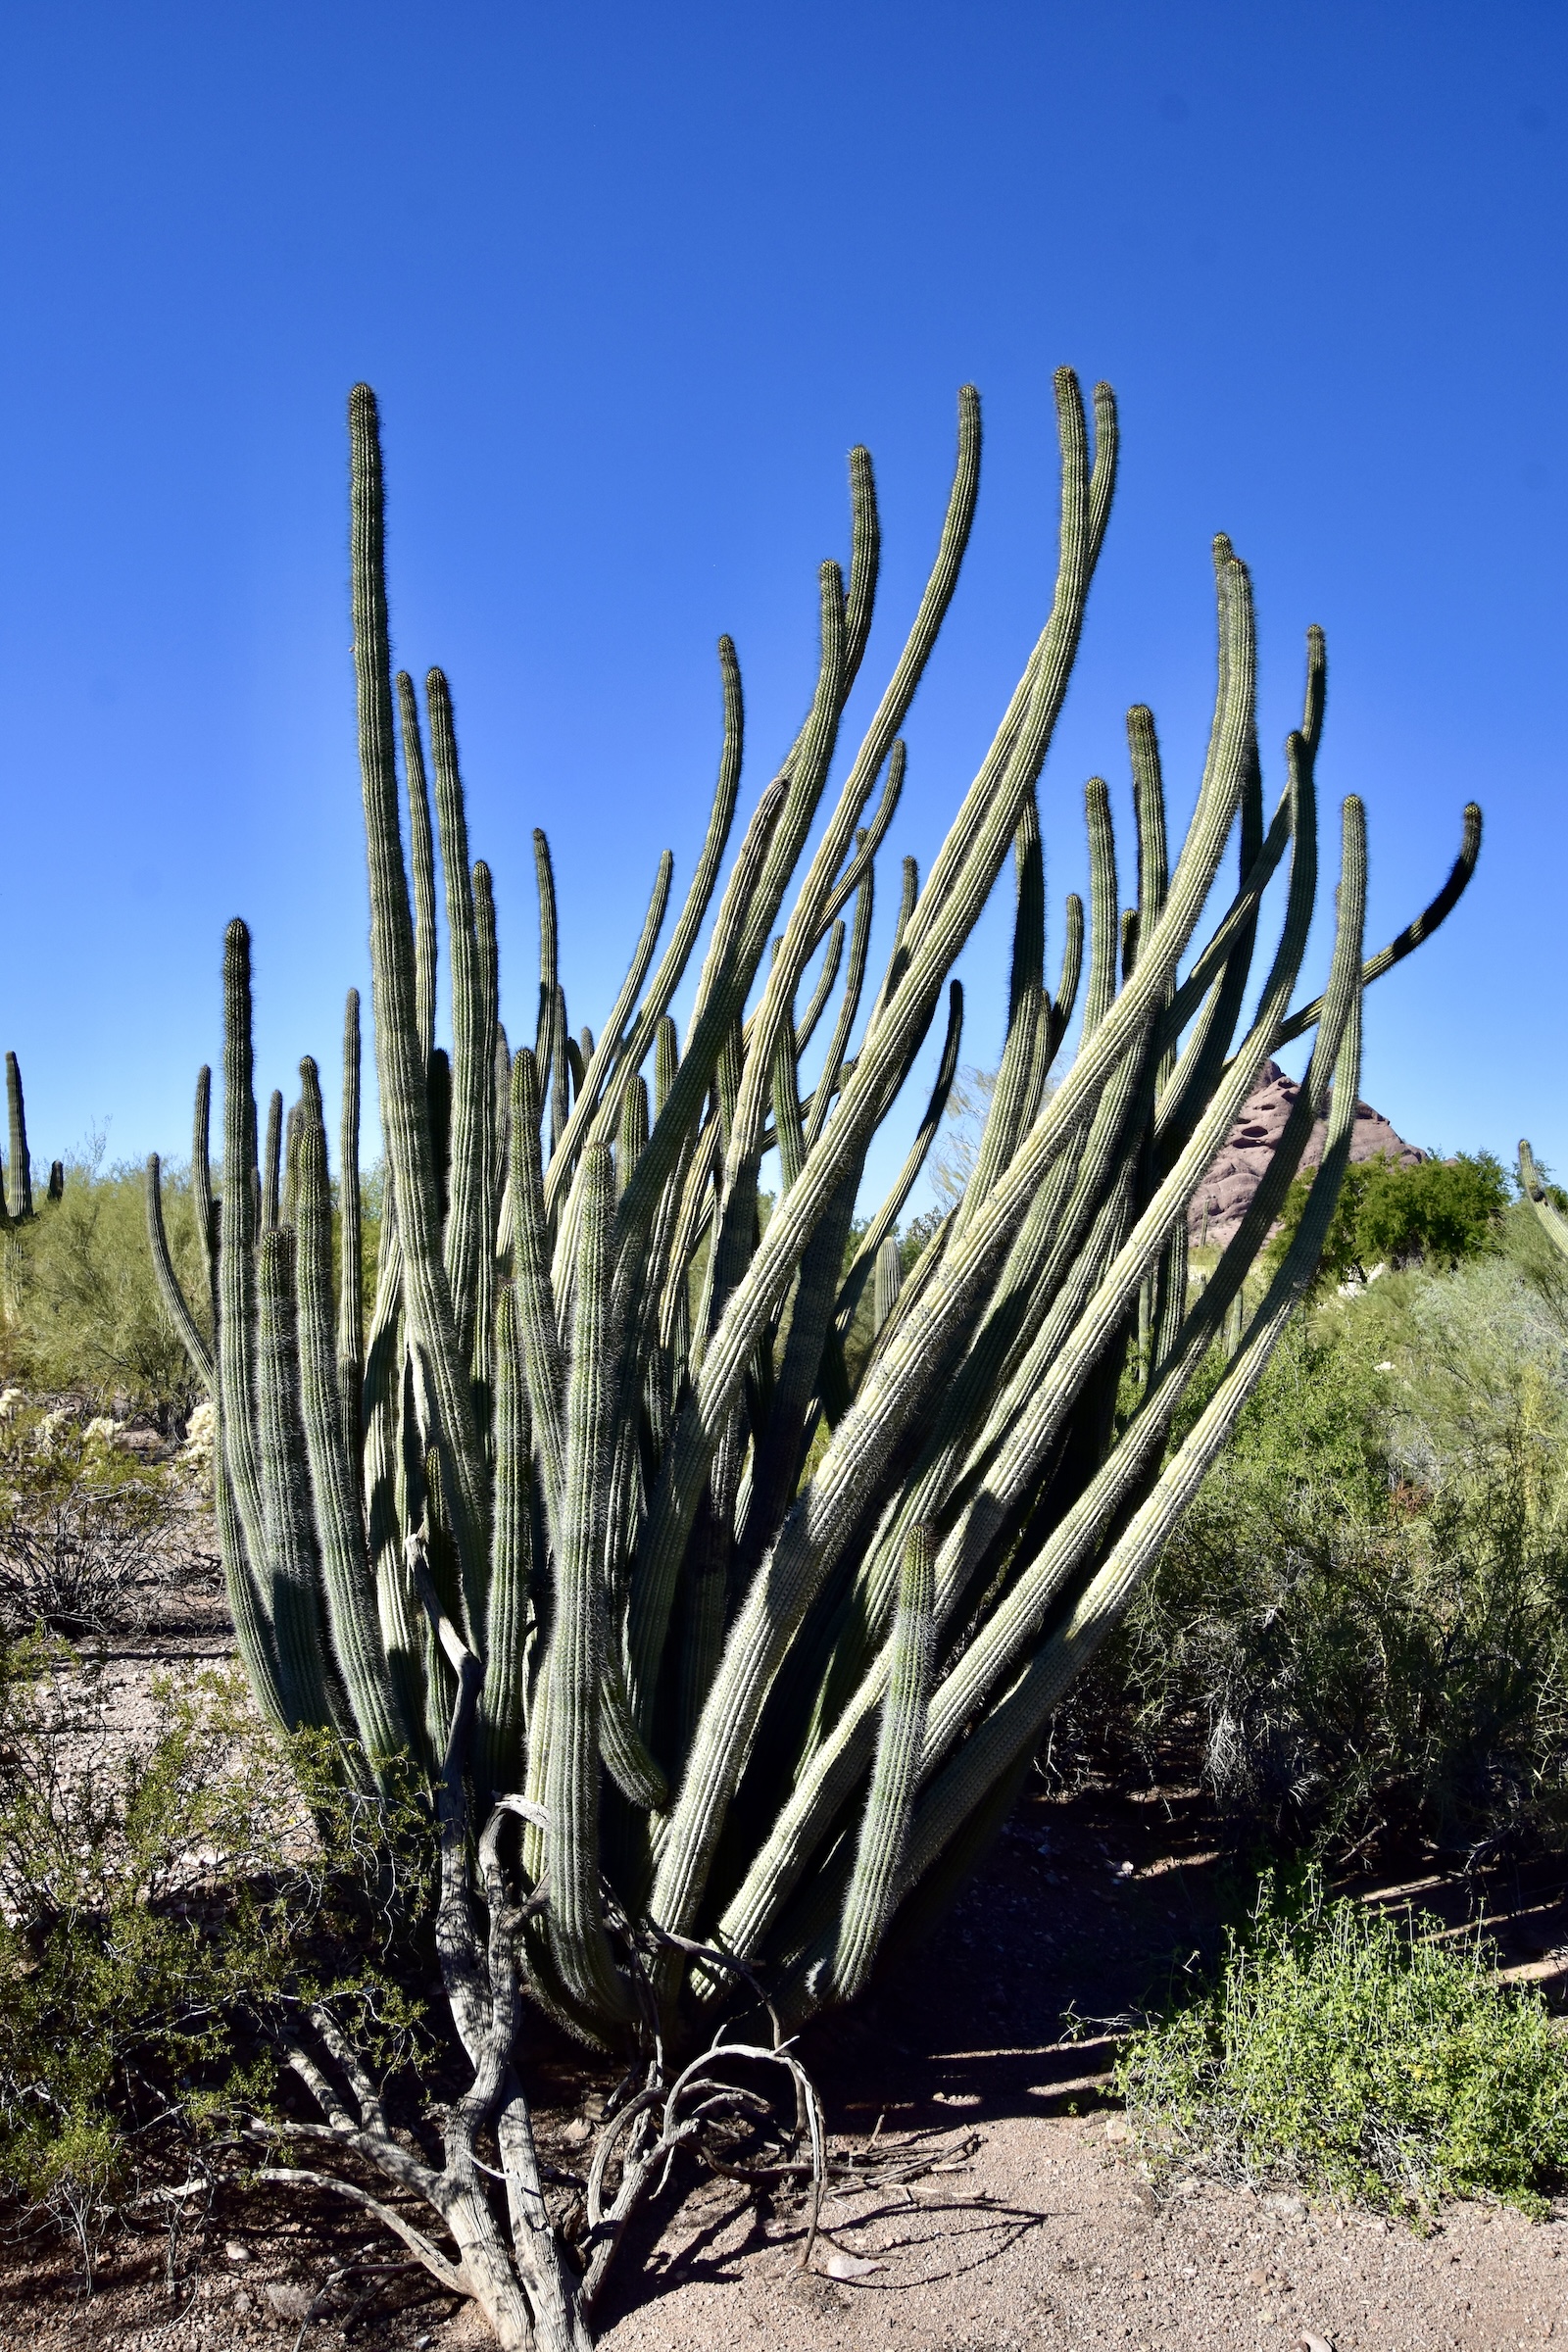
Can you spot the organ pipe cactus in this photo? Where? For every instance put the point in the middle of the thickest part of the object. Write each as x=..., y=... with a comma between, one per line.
x=19, y=1187
x=16, y=1173
x=741, y=1652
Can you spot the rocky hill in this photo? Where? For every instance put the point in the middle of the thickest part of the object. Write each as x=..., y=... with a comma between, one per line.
x=1221, y=1200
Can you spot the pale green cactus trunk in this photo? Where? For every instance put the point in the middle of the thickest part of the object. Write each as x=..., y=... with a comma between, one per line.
x=763, y=1645
x=18, y=1188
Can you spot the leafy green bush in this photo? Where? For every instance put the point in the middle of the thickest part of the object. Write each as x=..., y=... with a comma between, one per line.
x=162, y=1910
x=1362, y=1624
x=79, y=1310
x=1437, y=1214
x=1361, y=2058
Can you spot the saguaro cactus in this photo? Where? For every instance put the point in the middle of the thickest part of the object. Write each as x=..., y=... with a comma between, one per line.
x=547, y=1523
x=18, y=1188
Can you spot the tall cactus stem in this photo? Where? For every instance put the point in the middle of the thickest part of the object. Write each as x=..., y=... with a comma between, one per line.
x=21, y=1173
x=876, y=1881
x=578, y=1943
x=351, y=1247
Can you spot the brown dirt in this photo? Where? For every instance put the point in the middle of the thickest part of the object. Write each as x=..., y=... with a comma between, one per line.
x=993, y=2042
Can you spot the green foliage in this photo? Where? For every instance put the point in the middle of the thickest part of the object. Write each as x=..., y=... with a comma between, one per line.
x=163, y=1909
x=1360, y=2057
x=81, y=1518
x=1437, y=1212
x=79, y=1310
x=1363, y=1618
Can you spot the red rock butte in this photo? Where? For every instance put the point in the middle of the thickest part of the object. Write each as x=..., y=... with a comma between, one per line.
x=1220, y=1202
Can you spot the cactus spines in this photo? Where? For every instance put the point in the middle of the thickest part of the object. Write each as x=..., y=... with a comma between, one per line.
x=889, y=1282
x=578, y=1943
x=874, y=1882
x=602, y=1499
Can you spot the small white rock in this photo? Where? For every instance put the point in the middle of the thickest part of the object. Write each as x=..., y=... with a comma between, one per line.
x=852, y=2265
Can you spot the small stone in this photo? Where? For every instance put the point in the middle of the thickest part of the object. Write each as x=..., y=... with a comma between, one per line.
x=243, y=2303
x=1118, y=2128
x=577, y=2131
x=237, y=2252
x=851, y=2265
x=1258, y=2277
x=289, y=2302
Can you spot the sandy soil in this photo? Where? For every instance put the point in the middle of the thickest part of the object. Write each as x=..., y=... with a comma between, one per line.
x=992, y=2041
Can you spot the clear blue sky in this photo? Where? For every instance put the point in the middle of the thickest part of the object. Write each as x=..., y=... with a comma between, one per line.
x=629, y=280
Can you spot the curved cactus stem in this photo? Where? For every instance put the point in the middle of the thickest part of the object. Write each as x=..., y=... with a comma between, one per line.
x=849, y=1006
x=201, y=1184
x=549, y=964
x=1411, y=937
x=806, y=1026
x=1072, y=964
x=869, y=839
x=472, y=1026
x=191, y=1338
x=421, y=860
x=887, y=1216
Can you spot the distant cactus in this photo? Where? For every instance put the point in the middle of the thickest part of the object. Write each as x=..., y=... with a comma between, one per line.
x=18, y=1188
x=554, y=1537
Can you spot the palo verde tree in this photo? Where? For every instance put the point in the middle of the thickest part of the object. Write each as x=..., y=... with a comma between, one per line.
x=700, y=1727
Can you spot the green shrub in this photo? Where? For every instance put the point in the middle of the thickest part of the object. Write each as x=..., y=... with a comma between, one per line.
x=1362, y=1622
x=163, y=1909
x=1358, y=2057
x=82, y=1519
x=79, y=1310
x=1437, y=1214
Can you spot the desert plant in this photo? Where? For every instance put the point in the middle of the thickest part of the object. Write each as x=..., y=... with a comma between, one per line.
x=1434, y=1212
x=80, y=1309
x=82, y=1520
x=15, y=1190
x=1360, y=1624
x=165, y=1907
x=545, y=1525
x=1360, y=2055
